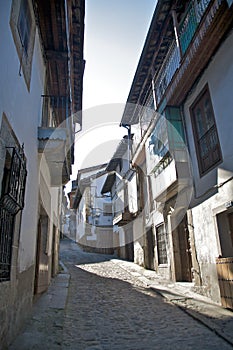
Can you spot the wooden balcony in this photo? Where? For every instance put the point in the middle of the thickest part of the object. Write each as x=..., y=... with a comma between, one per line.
x=200, y=33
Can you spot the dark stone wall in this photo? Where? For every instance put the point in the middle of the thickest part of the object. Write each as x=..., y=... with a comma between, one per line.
x=16, y=298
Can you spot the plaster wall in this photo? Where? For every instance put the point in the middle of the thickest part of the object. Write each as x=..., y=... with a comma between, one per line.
x=219, y=76
x=23, y=111
x=212, y=190
x=138, y=239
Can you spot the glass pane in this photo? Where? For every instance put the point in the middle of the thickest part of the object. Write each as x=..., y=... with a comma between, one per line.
x=199, y=123
x=209, y=118
x=24, y=24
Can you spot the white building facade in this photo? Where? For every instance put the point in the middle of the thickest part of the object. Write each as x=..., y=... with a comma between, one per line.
x=92, y=211
x=30, y=193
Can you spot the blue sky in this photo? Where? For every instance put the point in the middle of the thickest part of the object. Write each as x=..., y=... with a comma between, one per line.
x=115, y=33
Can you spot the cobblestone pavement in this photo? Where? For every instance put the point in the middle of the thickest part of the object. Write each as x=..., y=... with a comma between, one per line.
x=108, y=308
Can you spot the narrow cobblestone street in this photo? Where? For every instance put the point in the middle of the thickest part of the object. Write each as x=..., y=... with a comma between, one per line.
x=107, y=308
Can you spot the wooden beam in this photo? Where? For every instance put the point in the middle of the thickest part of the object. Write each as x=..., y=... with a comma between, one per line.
x=56, y=55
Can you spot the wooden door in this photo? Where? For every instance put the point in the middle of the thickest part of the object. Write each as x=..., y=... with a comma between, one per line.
x=150, y=243
x=184, y=252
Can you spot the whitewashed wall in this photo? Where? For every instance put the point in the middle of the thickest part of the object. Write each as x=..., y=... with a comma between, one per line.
x=219, y=76
x=23, y=110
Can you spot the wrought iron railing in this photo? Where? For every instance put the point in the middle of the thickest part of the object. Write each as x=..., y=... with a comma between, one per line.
x=12, y=197
x=190, y=22
x=167, y=71
x=187, y=29
x=200, y=8
x=146, y=114
x=11, y=201
x=6, y=241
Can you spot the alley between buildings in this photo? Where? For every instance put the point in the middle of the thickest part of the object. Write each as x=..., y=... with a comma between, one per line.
x=97, y=304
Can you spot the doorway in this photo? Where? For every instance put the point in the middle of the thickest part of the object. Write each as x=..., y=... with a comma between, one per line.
x=182, y=252
x=150, y=251
x=41, y=268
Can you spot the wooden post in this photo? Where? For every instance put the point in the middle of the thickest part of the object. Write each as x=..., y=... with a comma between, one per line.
x=176, y=30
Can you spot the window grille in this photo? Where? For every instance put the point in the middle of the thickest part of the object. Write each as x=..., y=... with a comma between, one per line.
x=11, y=202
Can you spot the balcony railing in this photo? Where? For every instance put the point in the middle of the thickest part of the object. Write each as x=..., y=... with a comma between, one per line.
x=168, y=69
x=190, y=22
x=147, y=114
x=55, y=110
x=187, y=29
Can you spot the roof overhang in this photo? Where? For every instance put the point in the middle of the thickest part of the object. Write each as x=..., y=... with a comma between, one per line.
x=153, y=53
x=61, y=30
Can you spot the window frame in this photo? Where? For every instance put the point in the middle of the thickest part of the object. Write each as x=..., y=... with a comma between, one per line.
x=25, y=57
x=199, y=101
x=11, y=203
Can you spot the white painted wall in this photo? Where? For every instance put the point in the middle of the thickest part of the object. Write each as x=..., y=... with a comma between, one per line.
x=81, y=218
x=132, y=195
x=219, y=76
x=23, y=110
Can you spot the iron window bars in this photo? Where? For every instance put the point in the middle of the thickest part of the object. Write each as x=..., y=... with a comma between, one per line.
x=11, y=202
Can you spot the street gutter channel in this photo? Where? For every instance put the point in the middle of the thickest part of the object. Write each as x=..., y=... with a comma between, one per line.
x=201, y=319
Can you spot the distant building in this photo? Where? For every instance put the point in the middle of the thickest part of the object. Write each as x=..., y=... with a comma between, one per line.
x=40, y=96
x=121, y=184
x=91, y=219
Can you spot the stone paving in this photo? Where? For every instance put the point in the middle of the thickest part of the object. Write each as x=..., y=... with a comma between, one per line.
x=102, y=306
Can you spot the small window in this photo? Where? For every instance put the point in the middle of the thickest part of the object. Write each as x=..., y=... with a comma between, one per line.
x=205, y=133
x=24, y=25
x=23, y=29
x=161, y=244
x=107, y=210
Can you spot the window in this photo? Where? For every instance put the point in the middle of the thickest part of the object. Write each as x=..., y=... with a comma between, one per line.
x=24, y=25
x=23, y=29
x=205, y=132
x=161, y=244
x=107, y=210
x=11, y=202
